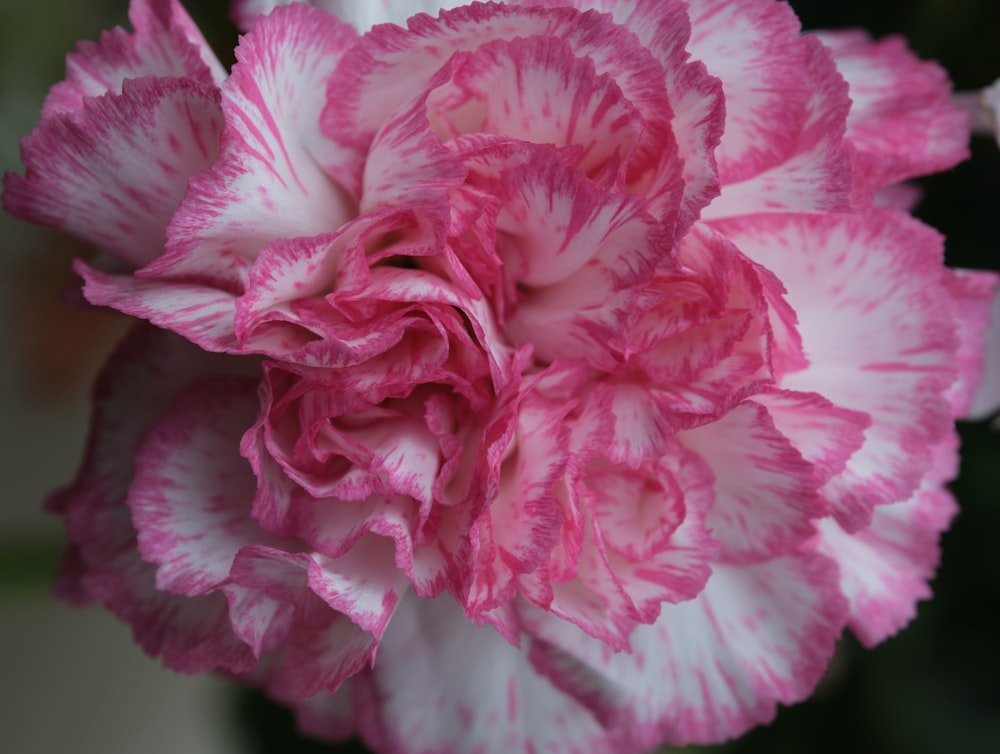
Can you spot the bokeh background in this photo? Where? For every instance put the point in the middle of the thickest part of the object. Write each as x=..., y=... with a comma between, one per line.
x=72, y=680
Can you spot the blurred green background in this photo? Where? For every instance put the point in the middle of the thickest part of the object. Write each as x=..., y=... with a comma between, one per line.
x=71, y=680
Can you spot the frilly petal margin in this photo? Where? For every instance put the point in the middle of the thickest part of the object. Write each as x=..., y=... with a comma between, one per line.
x=871, y=301
x=884, y=568
x=361, y=15
x=975, y=394
x=902, y=123
x=477, y=694
x=166, y=44
x=134, y=390
x=986, y=398
x=710, y=668
x=115, y=171
x=267, y=183
x=191, y=493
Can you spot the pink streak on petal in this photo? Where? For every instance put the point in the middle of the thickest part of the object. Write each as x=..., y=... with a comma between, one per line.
x=115, y=171
x=901, y=123
x=765, y=494
x=885, y=567
x=267, y=183
x=878, y=329
x=192, y=491
x=135, y=389
x=165, y=44
x=430, y=678
x=711, y=668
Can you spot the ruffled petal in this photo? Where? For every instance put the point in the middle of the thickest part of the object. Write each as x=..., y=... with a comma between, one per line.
x=696, y=100
x=986, y=399
x=815, y=173
x=202, y=314
x=390, y=63
x=135, y=389
x=765, y=494
x=362, y=15
x=115, y=171
x=522, y=524
x=824, y=434
x=878, y=330
x=578, y=258
x=191, y=493
x=901, y=123
x=756, y=50
x=713, y=667
x=320, y=648
x=165, y=44
x=975, y=393
x=448, y=686
x=536, y=90
x=267, y=183
x=884, y=568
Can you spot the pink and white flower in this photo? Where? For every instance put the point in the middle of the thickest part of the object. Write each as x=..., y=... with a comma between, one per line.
x=526, y=377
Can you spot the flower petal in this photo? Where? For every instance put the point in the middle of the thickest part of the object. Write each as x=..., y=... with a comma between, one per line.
x=888, y=351
x=901, y=123
x=390, y=63
x=321, y=648
x=756, y=50
x=115, y=171
x=578, y=257
x=974, y=294
x=191, y=493
x=522, y=523
x=202, y=314
x=986, y=399
x=815, y=173
x=712, y=667
x=884, y=568
x=136, y=387
x=765, y=495
x=538, y=91
x=166, y=44
x=362, y=16
x=448, y=686
x=824, y=434
x=267, y=182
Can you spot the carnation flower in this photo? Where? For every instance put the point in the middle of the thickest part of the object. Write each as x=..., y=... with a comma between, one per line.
x=548, y=376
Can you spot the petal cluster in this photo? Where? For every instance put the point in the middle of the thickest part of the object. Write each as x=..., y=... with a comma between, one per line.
x=543, y=376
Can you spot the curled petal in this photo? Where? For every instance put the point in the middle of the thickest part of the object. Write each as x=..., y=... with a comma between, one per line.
x=192, y=491
x=430, y=679
x=320, y=647
x=712, y=667
x=202, y=314
x=976, y=392
x=888, y=352
x=536, y=90
x=901, y=122
x=165, y=44
x=765, y=494
x=390, y=63
x=522, y=524
x=114, y=171
x=814, y=173
x=884, y=568
x=824, y=434
x=267, y=182
x=191, y=634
